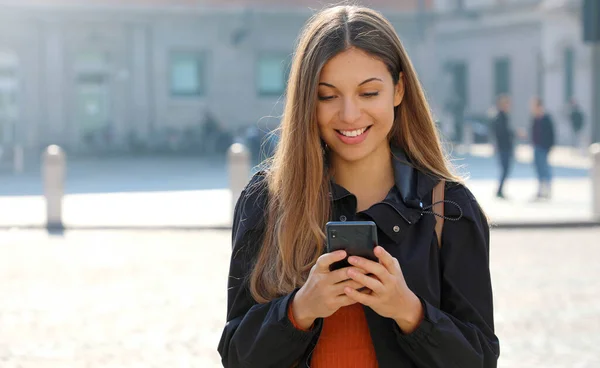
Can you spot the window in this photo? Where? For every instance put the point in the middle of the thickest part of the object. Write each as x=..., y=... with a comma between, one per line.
x=569, y=64
x=501, y=76
x=92, y=91
x=273, y=72
x=9, y=95
x=92, y=60
x=187, y=74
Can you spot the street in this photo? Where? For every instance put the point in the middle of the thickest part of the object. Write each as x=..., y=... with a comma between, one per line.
x=157, y=298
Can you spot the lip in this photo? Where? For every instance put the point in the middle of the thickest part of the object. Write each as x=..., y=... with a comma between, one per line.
x=353, y=140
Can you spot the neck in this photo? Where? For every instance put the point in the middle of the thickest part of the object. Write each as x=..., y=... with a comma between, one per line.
x=368, y=179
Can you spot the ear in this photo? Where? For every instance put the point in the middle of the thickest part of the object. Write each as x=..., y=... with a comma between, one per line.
x=399, y=90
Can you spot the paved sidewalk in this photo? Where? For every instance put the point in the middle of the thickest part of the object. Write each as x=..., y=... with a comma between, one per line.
x=571, y=204
x=129, y=299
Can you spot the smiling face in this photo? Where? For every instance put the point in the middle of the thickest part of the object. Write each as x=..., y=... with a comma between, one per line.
x=355, y=109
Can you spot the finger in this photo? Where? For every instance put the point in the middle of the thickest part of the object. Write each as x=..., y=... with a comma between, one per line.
x=365, y=290
x=338, y=289
x=389, y=262
x=362, y=298
x=342, y=274
x=375, y=268
x=368, y=281
x=328, y=259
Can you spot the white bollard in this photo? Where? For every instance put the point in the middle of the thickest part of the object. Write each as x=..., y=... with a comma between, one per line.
x=53, y=173
x=238, y=158
x=18, y=159
x=595, y=153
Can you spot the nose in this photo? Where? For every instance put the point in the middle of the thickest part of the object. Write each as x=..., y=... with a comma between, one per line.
x=350, y=111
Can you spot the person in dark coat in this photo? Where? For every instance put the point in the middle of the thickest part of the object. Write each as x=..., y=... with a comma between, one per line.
x=577, y=122
x=358, y=143
x=211, y=133
x=542, y=139
x=505, y=137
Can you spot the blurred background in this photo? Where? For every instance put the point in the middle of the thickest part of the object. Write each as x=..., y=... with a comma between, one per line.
x=146, y=97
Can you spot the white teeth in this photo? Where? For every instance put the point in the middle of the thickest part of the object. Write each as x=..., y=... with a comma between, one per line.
x=353, y=133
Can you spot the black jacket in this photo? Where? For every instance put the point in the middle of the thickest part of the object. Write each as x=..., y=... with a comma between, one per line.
x=576, y=119
x=504, y=133
x=542, y=132
x=453, y=282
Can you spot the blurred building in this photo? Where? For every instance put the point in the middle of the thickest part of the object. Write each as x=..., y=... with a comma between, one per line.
x=95, y=73
x=104, y=73
x=518, y=47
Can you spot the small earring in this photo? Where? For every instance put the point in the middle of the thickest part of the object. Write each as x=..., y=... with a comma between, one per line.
x=324, y=145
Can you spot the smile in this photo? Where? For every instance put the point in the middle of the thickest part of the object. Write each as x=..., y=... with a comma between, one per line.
x=353, y=133
x=353, y=137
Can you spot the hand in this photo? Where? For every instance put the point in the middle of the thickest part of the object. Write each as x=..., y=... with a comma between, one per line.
x=390, y=296
x=323, y=293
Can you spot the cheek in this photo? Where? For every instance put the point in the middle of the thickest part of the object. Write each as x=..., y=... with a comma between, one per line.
x=383, y=112
x=325, y=113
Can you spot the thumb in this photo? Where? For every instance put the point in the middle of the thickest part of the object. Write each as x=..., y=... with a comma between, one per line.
x=328, y=259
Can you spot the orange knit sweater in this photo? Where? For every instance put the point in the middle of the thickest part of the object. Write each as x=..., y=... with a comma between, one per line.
x=345, y=340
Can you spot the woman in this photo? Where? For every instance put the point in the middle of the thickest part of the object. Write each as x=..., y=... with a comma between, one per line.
x=357, y=142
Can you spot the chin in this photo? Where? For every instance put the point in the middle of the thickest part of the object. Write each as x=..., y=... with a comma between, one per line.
x=352, y=154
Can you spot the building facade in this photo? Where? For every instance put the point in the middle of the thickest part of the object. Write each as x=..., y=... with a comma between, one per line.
x=97, y=73
x=522, y=48
x=94, y=74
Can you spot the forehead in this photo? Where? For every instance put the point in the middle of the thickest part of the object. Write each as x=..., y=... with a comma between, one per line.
x=353, y=66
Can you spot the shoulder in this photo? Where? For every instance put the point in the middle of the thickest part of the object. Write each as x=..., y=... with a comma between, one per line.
x=251, y=207
x=461, y=202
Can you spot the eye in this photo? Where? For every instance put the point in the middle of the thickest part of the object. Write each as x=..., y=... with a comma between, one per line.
x=326, y=98
x=370, y=94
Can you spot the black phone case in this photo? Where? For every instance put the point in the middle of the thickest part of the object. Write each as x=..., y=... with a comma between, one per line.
x=357, y=238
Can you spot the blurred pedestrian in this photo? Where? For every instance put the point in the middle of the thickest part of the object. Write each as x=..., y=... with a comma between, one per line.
x=505, y=137
x=210, y=134
x=542, y=139
x=358, y=143
x=577, y=122
x=456, y=106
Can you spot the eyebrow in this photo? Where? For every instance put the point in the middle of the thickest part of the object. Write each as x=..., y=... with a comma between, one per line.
x=360, y=84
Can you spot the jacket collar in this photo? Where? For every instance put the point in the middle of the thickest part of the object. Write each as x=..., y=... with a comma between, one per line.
x=412, y=184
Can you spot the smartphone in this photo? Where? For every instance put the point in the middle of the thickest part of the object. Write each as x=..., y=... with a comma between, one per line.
x=357, y=238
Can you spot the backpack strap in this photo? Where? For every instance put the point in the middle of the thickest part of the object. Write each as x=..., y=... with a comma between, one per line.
x=438, y=209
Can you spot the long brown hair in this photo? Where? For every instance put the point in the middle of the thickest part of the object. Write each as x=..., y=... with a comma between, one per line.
x=298, y=180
